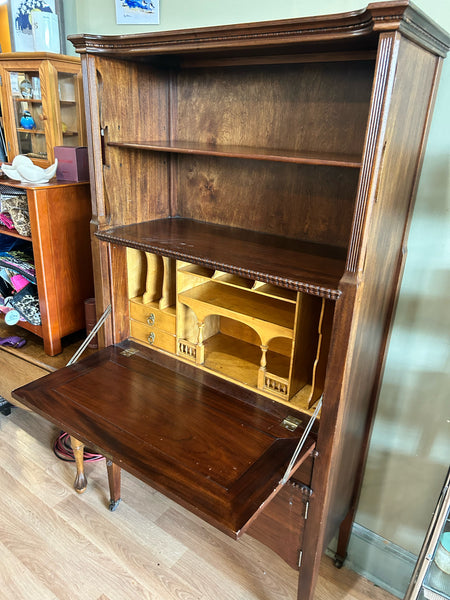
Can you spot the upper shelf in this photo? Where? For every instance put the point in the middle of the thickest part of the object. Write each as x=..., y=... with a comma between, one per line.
x=312, y=268
x=270, y=154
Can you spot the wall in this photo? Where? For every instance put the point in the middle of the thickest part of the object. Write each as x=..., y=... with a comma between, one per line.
x=410, y=443
x=5, y=38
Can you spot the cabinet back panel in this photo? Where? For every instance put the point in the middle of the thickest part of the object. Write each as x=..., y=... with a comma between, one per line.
x=142, y=115
x=131, y=198
x=312, y=203
x=321, y=107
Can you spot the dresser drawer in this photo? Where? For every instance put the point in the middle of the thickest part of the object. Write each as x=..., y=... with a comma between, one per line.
x=152, y=315
x=153, y=336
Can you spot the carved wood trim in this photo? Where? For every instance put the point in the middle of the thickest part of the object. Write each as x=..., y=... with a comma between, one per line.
x=384, y=81
x=383, y=16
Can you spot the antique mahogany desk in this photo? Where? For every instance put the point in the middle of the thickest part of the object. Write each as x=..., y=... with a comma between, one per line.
x=252, y=191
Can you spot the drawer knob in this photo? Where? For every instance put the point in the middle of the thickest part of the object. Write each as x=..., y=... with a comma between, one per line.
x=151, y=338
x=151, y=319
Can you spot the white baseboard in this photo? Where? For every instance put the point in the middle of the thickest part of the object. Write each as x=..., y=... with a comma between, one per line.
x=384, y=563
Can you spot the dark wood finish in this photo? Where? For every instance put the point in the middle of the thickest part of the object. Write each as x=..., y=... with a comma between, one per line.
x=59, y=218
x=223, y=460
x=237, y=171
x=114, y=480
x=289, y=156
x=280, y=526
x=293, y=264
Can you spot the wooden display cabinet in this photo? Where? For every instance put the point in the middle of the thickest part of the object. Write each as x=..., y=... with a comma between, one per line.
x=49, y=88
x=252, y=190
x=59, y=220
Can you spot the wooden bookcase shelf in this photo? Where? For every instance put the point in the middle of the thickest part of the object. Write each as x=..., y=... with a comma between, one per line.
x=252, y=195
x=275, y=155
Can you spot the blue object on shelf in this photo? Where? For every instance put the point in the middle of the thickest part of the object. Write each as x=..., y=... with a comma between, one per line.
x=27, y=120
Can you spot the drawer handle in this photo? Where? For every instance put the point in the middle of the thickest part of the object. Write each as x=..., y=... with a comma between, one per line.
x=151, y=319
x=151, y=338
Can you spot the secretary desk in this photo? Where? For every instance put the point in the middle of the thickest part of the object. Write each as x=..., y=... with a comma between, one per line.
x=252, y=193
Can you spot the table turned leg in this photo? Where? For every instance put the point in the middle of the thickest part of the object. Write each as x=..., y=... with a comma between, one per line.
x=80, y=483
x=114, y=484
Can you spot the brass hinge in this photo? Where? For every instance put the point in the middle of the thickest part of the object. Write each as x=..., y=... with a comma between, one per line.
x=291, y=423
x=129, y=351
x=300, y=556
x=306, y=510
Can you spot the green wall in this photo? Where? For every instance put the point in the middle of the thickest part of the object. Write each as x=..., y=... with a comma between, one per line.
x=410, y=446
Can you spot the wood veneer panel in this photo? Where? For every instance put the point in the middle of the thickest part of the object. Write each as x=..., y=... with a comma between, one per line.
x=313, y=203
x=206, y=448
x=137, y=116
x=318, y=107
x=60, y=230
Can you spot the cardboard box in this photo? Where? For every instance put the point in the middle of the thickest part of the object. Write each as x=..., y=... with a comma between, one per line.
x=73, y=163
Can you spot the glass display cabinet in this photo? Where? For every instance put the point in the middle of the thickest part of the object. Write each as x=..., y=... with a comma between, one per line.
x=42, y=104
x=431, y=577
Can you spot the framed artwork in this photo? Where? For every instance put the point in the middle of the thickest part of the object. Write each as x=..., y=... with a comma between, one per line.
x=132, y=12
x=36, y=26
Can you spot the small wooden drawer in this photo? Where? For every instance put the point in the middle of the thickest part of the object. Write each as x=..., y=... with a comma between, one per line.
x=153, y=336
x=153, y=316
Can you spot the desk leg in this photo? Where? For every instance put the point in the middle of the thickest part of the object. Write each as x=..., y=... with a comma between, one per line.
x=80, y=483
x=114, y=484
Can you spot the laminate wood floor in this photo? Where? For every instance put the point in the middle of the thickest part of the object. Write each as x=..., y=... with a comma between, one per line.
x=57, y=545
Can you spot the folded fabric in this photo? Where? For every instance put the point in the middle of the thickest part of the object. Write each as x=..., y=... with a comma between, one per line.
x=17, y=208
x=6, y=220
x=18, y=282
x=13, y=340
x=26, y=303
x=20, y=263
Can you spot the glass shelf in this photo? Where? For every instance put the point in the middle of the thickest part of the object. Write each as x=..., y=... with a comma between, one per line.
x=436, y=584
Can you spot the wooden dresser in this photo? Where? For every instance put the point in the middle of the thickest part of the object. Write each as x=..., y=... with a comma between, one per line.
x=252, y=188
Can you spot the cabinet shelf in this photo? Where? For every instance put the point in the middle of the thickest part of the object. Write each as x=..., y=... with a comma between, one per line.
x=36, y=329
x=312, y=268
x=255, y=311
x=437, y=584
x=30, y=100
x=269, y=154
x=33, y=131
x=265, y=289
x=13, y=233
x=240, y=361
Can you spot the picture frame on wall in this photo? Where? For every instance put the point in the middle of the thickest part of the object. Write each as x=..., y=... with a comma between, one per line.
x=133, y=12
x=37, y=26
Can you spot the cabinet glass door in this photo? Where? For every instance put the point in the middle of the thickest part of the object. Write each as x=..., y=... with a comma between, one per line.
x=69, y=108
x=28, y=114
